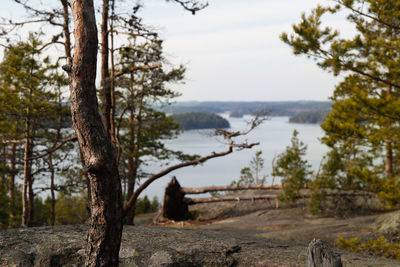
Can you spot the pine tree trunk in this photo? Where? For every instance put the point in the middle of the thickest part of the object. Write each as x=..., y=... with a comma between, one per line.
x=105, y=231
x=131, y=177
x=27, y=175
x=129, y=217
x=388, y=145
x=31, y=195
x=133, y=163
x=53, y=198
x=105, y=74
x=131, y=187
x=66, y=32
x=11, y=188
x=389, y=159
x=111, y=78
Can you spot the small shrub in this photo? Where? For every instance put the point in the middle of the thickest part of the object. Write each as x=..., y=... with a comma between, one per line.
x=390, y=195
x=294, y=170
x=380, y=247
x=143, y=205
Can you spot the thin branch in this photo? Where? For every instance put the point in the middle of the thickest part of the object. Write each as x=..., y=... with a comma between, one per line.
x=193, y=6
x=201, y=190
x=194, y=201
x=306, y=194
x=377, y=19
x=51, y=150
x=135, y=68
x=231, y=145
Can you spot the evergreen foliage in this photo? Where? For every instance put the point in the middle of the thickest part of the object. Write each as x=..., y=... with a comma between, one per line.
x=198, y=120
x=312, y=117
x=144, y=205
x=31, y=117
x=362, y=129
x=252, y=175
x=294, y=170
x=141, y=129
x=380, y=247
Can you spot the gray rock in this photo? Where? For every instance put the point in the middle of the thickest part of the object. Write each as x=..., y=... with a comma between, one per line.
x=161, y=259
x=156, y=246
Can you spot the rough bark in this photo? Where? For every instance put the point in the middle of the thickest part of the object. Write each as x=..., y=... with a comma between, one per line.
x=27, y=172
x=52, y=193
x=319, y=255
x=133, y=165
x=66, y=32
x=31, y=195
x=112, y=71
x=105, y=74
x=129, y=217
x=104, y=236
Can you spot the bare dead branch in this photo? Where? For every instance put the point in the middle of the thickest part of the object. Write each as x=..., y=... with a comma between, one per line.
x=201, y=190
x=193, y=6
x=305, y=194
x=194, y=201
x=231, y=145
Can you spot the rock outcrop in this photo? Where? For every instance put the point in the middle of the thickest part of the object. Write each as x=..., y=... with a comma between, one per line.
x=156, y=246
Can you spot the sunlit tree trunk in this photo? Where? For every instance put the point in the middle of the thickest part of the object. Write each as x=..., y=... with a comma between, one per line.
x=388, y=146
x=27, y=175
x=105, y=74
x=105, y=231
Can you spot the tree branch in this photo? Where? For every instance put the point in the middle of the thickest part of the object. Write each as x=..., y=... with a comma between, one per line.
x=194, y=201
x=192, y=5
x=231, y=145
x=51, y=150
x=135, y=68
x=377, y=19
x=201, y=190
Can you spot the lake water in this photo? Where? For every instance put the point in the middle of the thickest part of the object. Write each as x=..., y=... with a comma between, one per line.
x=274, y=135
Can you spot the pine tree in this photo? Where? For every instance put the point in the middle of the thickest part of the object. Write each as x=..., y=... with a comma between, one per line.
x=251, y=175
x=363, y=126
x=141, y=129
x=294, y=170
x=29, y=107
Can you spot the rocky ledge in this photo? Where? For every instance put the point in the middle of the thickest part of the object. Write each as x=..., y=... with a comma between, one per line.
x=157, y=246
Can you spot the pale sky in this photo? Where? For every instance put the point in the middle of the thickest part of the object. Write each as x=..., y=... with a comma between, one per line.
x=232, y=49
x=233, y=52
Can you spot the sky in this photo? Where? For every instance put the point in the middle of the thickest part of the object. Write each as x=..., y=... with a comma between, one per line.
x=232, y=50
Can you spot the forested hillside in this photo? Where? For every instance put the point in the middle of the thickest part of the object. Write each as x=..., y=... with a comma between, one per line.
x=273, y=108
x=310, y=117
x=198, y=120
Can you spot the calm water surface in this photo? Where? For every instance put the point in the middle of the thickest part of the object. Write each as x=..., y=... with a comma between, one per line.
x=274, y=135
